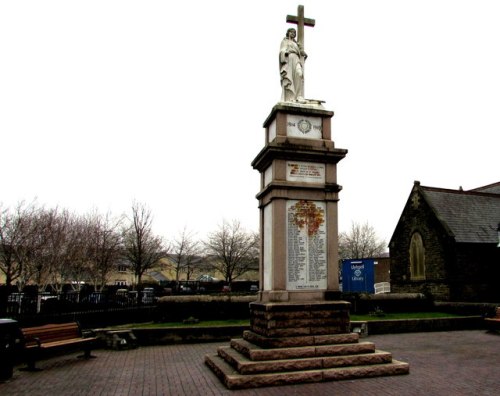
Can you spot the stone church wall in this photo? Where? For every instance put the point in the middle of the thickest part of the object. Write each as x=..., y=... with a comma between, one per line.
x=418, y=217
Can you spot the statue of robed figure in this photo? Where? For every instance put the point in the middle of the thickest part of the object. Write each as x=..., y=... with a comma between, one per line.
x=291, y=68
x=292, y=58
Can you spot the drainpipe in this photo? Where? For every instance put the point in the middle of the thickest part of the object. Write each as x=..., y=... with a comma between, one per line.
x=498, y=232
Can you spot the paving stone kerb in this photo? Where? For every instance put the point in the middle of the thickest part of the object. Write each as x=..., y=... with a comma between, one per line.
x=442, y=363
x=175, y=335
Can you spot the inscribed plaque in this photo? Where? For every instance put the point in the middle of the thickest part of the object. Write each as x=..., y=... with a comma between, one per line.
x=304, y=127
x=307, y=172
x=306, y=245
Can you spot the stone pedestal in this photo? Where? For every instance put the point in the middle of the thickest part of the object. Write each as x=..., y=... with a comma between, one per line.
x=276, y=320
x=300, y=330
x=298, y=205
x=291, y=343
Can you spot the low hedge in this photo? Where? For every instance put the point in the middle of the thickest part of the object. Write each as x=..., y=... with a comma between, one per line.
x=363, y=303
x=203, y=307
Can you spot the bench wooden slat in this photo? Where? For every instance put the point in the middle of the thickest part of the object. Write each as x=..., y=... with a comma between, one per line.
x=49, y=333
x=51, y=336
x=53, y=344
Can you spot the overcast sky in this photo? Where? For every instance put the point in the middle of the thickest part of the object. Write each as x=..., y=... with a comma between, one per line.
x=103, y=102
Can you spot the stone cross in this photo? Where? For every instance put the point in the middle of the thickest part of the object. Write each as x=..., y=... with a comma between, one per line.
x=300, y=21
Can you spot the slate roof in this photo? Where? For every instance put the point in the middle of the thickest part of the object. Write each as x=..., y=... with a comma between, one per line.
x=157, y=276
x=471, y=216
x=490, y=188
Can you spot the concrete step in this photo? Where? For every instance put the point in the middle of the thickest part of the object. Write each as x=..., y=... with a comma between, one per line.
x=286, y=342
x=255, y=352
x=284, y=331
x=244, y=365
x=234, y=380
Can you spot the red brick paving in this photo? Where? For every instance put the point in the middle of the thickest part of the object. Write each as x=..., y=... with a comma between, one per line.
x=441, y=363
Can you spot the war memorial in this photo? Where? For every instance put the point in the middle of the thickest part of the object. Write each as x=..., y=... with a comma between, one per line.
x=299, y=328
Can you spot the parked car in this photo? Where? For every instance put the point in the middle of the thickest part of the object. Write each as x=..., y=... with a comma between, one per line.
x=44, y=296
x=185, y=289
x=95, y=298
x=207, y=278
x=16, y=297
x=15, y=301
x=121, y=297
x=148, y=295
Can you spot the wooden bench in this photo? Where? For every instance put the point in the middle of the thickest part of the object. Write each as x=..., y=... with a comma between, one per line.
x=39, y=339
x=493, y=323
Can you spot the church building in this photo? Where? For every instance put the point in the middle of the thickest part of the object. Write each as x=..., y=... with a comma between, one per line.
x=446, y=244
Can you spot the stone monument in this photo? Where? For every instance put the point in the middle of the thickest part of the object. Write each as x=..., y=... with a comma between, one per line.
x=299, y=329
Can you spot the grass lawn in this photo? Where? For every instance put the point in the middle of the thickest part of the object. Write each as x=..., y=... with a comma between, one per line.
x=229, y=322
x=407, y=315
x=246, y=322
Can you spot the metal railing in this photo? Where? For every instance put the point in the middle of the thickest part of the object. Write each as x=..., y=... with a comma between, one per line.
x=18, y=304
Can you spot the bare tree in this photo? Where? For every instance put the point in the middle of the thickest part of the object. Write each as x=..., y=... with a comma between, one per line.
x=104, y=247
x=59, y=247
x=233, y=250
x=360, y=242
x=142, y=248
x=76, y=249
x=45, y=239
x=58, y=254
x=77, y=253
x=183, y=254
x=16, y=236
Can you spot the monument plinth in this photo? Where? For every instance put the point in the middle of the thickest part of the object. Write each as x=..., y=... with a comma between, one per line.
x=299, y=329
x=298, y=205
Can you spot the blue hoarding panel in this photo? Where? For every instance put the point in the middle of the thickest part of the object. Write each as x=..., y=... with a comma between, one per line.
x=358, y=276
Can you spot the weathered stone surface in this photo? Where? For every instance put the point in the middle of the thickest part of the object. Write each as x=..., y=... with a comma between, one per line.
x=299, y=331
x=299, y=319
x=345, y=338
x=309, y=322
x=393, y=368
x=245, y=365
x=299, y=347
x=282, y=342
x=285, y=342
x=289, y=315
x=242, y=346
x=255, y=352
x=345, y=349
x=289, y=332
x=234, y=380
x=332, y=306
x=378, y=357
x=323, y=330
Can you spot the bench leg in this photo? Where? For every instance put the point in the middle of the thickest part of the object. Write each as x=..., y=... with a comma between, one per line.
x=87, y=354
x=31, y=362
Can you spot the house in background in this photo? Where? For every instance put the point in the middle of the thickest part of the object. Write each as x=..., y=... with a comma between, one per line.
x=196, y=266
x=446, y=244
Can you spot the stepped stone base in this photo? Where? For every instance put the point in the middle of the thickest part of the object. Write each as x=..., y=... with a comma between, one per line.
x=289, y=344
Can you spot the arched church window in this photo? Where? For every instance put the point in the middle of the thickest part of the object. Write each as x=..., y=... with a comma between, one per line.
x=417, y=257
